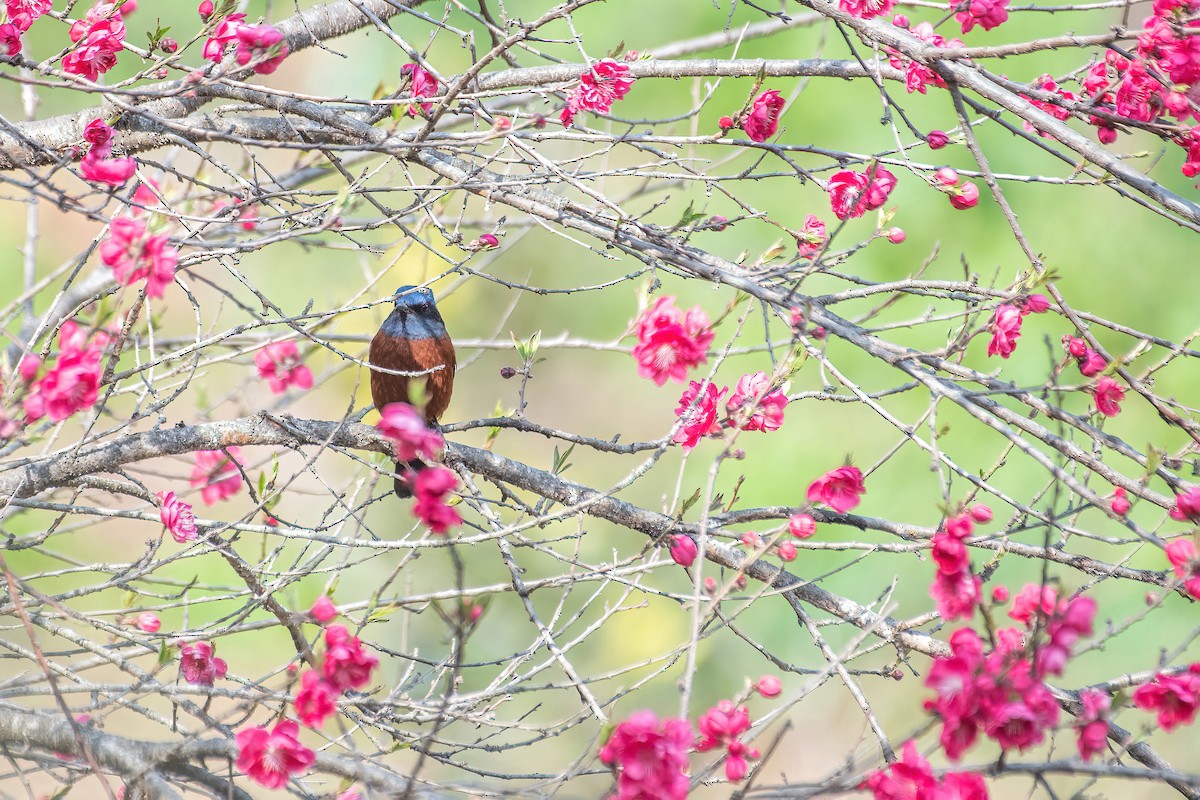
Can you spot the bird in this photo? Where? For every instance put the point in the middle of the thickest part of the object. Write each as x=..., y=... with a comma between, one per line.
x=413, y=339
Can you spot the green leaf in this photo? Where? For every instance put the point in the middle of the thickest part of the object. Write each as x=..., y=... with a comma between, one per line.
x=691, y=501
x=560, y=461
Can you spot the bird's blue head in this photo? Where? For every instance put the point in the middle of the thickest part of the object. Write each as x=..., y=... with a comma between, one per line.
x=417, y=299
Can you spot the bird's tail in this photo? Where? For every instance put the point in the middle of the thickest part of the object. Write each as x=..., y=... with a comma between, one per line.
x=406, y=471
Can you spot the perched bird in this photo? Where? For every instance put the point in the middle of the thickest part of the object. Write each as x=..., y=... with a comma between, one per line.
x=412, y=340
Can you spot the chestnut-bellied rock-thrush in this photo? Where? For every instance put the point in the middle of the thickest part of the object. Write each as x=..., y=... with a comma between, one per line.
x=412, y=340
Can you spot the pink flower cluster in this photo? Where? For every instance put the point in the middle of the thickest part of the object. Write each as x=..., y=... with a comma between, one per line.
x=217, y=474
x=720, y=728
x=812, y=237
x=1093, y=723
x=840, y=489
x=98, y=38
x=98, y=165
x=260, y=45
x=431, y=487
x=135, y=255
x=1001, y=693
x=956, y=590
x=198, y=665
x=650, y=757
x=599, y=87
x=761, y=120
x=346, y=666
x=1176, y=698
x=1159, y=81
x=866, y=9
x=1047, y=84
x=1107, y=392
x=670, y=342
x=1187, y=505
x=177, y=517
x=852, y=194
x=271, y=757
x=1006, y=323
x=1182, y=555
x=754, y=406
x=406, y=427
x=910, y=776
x=962, y=194
x=73, y=383
x=422, y=85
x=985, y=13
x=21, y=14
x=917, y=76
x=279, y=363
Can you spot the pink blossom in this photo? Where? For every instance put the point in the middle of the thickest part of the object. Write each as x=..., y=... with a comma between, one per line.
x=670, y=342
x=599, y=87
x=683, y=549
x=406, y=427
x=1006, y=329
x=422, y=85
x=697, y=412
x=22, y=13
x=262, y=44
x=1175, y=697
x=917, y=76
x=269, y=758
x=1091, y=363
x=986, y=13
x=956, y=594
x=768, y=686
x=73, y=383
x=937, y=140
x=812, y=237
x=895, y=235
x=1182, y=555
x=323, y=609
x=199, y=665
x=177, y=517
x=650, y=757
x=852, y=194
x=910, y=776
x=720, y=727
x=763, y=119
x=10, y=39
x=1187, y=505
x=99, y=37
x=1108, y=395
x=1093, y=727
x=755, y=405
x=865, y=9
x=1034, y=304
x=980, y=513
x=112, y=171
x=1120, y=503
x=1031, y=600
x=802, y=526
x=28, y=367
x=1075, y=346
x=347, y=665
x=147, y=622
x=134, y=255
x=315, y=700
x=964, y=196
x=217, y=474
x=431, y=487
x=350, y=794
x=222, y=36
x=786, y=550
x=205, y=9
x=840, y=489
x=279, y=363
